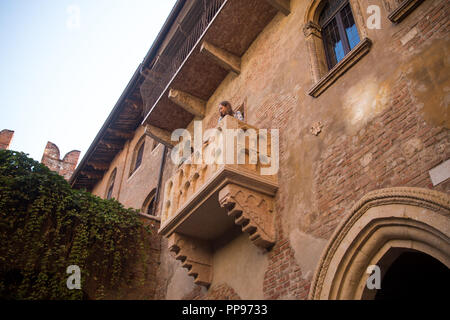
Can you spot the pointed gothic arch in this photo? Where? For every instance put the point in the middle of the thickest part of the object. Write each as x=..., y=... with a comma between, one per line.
x=382, y=221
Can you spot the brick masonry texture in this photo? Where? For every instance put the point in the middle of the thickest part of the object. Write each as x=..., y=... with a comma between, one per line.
x=385, y=124
x=397, y=148
x=434, y=23
x=5, y=138
x=64, y=167
x=283, y=278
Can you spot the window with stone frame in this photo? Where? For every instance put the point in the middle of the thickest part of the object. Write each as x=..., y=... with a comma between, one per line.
x=336, y=38
x=339, y=32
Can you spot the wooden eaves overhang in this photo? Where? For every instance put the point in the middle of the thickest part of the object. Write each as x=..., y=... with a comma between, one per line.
x=215, y=53
x=123, y=120
x=117, y=129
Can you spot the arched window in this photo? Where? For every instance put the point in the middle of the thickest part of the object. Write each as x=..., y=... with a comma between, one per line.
x=336, y=38
x=137, y=155
x=110, y=185
x=149, y=204
x=339, y=32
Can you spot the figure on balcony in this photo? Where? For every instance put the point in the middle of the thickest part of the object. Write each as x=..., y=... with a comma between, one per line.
x=225, y=109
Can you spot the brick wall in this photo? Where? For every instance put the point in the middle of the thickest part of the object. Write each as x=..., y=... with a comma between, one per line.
x=5, y=138
x=64, y=167
x=396, y=148
x=283, y=278
x=433, y=24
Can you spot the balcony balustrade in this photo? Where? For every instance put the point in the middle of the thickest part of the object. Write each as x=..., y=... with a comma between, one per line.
x=232, y=181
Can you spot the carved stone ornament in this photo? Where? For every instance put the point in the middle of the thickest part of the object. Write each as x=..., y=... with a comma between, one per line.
x=312, y=28
x=316, y=128
x=195, y=255
x=251, y=210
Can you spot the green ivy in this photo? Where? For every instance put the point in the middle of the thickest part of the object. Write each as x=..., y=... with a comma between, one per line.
x=45, y=226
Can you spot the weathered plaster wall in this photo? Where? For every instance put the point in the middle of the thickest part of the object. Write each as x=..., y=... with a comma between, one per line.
x=385, y=123
x=241, y=265
x=132, y=190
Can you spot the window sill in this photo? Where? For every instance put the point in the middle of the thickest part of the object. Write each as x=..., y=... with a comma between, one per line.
x=149, y=216
x=403, y=10
x=339, y=69
x=133, y=173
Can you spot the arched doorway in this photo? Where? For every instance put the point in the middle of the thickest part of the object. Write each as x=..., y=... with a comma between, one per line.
x=410, y=274
x=389, y=228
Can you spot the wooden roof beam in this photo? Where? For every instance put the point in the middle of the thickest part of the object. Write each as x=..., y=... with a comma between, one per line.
x=96, y=175
x=99, y=165
x=120, y=133
x=111, y=144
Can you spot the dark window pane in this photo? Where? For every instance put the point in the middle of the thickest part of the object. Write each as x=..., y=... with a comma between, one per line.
x=150, y=207
x=111, y=184
x=350, y=27
x=110, y=190
x=139, y=156
x=329, y=10
x=333, y=43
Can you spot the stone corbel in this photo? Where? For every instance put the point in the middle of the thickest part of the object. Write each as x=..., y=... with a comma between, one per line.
x=312, y=28
x=223, y=58
x=160, y=135
x=252, y=210
x=191, y=104
x=195, y=255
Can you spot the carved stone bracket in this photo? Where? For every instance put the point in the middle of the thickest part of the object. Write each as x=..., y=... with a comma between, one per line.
x=160, y=135
x=223, y=58
x=252, y=210
x=312, y=28
x=195, y=255
x=191, y=104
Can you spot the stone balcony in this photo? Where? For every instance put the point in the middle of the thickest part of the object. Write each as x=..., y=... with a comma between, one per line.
x=232, y=184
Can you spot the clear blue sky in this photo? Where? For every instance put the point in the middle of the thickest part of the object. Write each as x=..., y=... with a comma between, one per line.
x=64, y=64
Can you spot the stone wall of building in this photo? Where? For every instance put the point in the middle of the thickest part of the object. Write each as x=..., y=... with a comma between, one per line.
x=131, y=187
x=384, y=123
